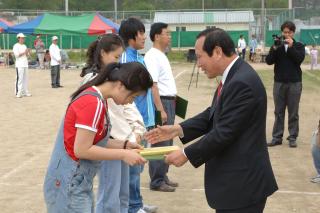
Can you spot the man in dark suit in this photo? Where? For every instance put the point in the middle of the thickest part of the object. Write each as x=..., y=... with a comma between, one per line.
x=233, y=147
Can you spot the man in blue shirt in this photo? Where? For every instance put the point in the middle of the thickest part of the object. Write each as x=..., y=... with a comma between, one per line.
x=132, y=31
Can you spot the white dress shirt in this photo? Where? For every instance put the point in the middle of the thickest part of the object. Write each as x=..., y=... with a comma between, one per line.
x=54, y=54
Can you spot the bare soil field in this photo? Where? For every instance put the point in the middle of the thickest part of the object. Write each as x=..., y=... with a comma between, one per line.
x=29, y=127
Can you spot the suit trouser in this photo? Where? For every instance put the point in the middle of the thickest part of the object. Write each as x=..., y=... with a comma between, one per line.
x=21, y=86
x=286, y=95
x=254, y=208
x=55, y=75
x=158, y=169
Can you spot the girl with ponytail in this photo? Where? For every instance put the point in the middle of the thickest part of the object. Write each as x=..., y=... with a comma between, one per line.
x=83, y=138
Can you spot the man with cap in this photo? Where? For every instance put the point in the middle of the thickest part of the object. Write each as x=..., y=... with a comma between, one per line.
x=21, y=52
x=55, y=63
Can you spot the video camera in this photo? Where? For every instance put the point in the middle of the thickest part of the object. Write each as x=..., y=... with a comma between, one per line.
x=278, y=40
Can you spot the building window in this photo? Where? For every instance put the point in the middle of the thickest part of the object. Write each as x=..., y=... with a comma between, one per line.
x=181, y=29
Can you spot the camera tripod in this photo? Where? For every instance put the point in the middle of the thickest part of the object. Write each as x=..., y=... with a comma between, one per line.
x=193, y=70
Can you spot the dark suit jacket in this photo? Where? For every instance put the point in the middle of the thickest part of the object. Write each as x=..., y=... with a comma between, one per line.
x=233, y=147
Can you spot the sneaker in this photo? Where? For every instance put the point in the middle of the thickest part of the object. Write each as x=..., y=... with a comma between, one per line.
x=18, y=96
x=27, y=95
x=141, y=211
x=171, y=183
x=164, y=188
x=293, y=144
x=315, y=179
x=149, y=208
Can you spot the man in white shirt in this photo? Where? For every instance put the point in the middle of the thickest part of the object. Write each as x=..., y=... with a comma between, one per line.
x=21, y=52
x=242, y=45
x=164, y=93
x=55, y=63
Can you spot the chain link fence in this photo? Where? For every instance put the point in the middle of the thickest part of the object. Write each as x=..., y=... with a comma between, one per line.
x=265, y=23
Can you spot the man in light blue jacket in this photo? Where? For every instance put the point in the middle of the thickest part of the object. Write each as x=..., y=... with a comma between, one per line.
x=132, y=31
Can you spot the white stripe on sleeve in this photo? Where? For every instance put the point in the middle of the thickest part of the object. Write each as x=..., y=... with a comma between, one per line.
x=97, y=114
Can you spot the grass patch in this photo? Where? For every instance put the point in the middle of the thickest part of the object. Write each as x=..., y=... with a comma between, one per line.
x=177, y=56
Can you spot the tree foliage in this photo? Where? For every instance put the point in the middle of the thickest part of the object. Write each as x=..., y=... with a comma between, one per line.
x=104, y=5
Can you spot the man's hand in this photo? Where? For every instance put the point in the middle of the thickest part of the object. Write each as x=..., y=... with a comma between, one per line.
x=162, y=133
x=164, y=117
x=176, y=158
x=289, y=41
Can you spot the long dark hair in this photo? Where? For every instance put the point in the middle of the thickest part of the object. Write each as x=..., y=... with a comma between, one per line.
x=134, y=76
x=108, y=43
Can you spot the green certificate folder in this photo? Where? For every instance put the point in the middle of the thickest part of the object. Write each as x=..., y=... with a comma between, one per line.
x=181, y=110
x=158, y=118
x=181, y=107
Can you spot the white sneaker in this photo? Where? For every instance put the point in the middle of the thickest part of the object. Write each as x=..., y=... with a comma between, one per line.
x=315, y=179
x=141, y=211
x=18, y=96
x=27, y=95
x=149, y=208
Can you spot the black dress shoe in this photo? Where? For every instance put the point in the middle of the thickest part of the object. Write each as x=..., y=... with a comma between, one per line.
x=293, y=144
x=54, y=86
x=59, y=86
x=164, y=188
x=274, y=143
x=171, y=183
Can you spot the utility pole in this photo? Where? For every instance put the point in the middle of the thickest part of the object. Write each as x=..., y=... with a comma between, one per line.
x=290, y=4
x=115, y=11
x=202, y=5
x=262, y=19
x=66, y=4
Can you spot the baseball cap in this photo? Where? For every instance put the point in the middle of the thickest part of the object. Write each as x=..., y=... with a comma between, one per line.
x=21, y=35
x=54, y=38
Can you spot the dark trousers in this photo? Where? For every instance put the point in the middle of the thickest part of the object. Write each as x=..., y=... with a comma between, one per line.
x=286, y=95
x=254, y=208
x=158, y=169
x=244, y=54
x=55, y=75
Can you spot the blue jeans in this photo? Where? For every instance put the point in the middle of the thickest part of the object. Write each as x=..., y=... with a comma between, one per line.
x=315, y=152
x=113, y=190
x=135, y=201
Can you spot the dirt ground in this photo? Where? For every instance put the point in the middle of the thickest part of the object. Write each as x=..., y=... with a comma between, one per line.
x=29, y=126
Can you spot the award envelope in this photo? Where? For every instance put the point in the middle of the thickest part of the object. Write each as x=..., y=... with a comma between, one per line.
x=157, y=153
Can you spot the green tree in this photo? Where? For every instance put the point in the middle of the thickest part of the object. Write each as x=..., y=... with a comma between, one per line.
x=137, y=5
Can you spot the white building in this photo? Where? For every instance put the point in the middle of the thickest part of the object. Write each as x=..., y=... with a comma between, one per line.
x=198, y=21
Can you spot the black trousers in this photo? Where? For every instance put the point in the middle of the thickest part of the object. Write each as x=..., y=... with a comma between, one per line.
x=254, y=208
x=286, y=95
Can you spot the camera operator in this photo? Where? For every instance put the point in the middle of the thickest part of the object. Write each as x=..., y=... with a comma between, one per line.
x=286, y=55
